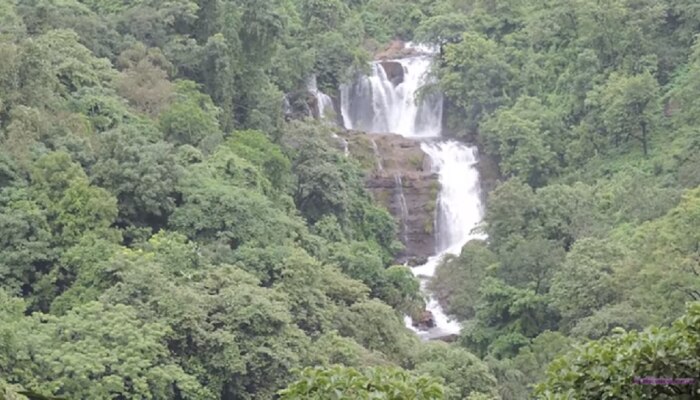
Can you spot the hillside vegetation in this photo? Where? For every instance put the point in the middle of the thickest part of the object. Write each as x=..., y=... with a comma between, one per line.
x=166, y=233
x=591, y=110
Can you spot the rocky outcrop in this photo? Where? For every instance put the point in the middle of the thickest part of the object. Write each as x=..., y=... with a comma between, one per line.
x=425, y=321
x=402, y=180
x=394, y=71
x=448, y=338
x=395, y=49
x=300, y=104
x=489, y=173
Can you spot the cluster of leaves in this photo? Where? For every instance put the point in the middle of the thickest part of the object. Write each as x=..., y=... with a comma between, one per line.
x=609, y=367
x=348, y=383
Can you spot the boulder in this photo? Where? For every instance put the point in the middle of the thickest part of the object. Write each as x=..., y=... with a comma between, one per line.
x=425, y=321
x=394, y=71
x=417, y=261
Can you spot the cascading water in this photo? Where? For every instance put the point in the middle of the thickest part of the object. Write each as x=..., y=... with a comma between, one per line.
x=324, y=101
x=459, y=211
x=459, y=204
x=375, y=105
x=326, y=111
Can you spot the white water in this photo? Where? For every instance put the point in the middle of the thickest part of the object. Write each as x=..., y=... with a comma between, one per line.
x=373, y=104
x=326, y=111
x=324, y=101
x=459, y=211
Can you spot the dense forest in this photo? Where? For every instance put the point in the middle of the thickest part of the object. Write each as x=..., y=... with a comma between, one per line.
x=168, y=232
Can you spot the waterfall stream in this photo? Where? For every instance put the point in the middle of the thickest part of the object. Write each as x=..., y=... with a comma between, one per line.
x=375, y=104
x=324, y=101
x=325, y=109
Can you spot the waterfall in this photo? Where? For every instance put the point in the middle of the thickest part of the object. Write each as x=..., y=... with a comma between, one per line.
x=459, y=205
x=375, y=105
x=344, y=143
x=323, y=101
x=286, y=106
x=459, y=211
x=398, y=185
x=326, y=111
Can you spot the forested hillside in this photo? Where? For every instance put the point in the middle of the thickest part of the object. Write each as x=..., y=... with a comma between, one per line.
x=591, y=112
x=167, y=231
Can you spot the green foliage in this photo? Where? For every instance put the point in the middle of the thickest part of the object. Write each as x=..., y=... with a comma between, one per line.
x=464, y=375
x=236, y=216
x=666, y=259
x=331, y=184
x=82, y=209
x=258, y=149
x=72, y=65
x=191, y=117
x=376, y=327
x=607, y=368
x=139, y=202
x=476, y=76
x=141, y=171
x=586, y=283
x=375, y=383
x=401, y=290
x=26, y=252
x=442, y=28
x=525, y=137
x=166, y=234
x=458, y=279
x=630, y=107
x=93, y=351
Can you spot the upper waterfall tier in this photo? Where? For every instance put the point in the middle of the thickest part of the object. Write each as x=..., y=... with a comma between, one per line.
x=376, y=104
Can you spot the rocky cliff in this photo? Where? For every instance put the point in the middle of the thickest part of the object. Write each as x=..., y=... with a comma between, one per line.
x=402, y=180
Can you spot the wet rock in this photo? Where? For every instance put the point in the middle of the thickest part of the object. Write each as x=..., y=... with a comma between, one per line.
x=395, y=49
x=415, y=212
x=425, y=321
x=416, y=261
x=446, y=338
x=394, y=71
x=300, y=104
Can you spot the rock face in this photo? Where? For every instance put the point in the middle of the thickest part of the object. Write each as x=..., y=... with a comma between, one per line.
x=395, y=49
x=301, y=104
x=402, y=181
x=394, y=71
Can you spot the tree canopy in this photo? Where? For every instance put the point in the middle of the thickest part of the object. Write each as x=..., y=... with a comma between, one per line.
x=168, y=230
